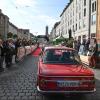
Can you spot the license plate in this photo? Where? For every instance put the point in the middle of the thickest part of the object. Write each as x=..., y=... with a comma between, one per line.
x=67, y=83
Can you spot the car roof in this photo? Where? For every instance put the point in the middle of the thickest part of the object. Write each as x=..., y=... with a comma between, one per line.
x=57, y=47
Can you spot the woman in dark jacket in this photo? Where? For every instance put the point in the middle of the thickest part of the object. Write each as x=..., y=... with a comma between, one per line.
x=9, y=52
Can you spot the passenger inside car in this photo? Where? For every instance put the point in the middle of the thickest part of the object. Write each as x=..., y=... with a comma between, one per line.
x=50, y=55
x=65, y=56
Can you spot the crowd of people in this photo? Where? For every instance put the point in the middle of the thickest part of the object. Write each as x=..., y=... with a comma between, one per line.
x=8, y=49
x=88, y=48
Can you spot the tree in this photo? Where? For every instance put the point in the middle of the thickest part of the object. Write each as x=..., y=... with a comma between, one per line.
x=10, y=35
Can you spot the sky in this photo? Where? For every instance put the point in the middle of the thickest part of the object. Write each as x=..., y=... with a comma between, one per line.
x=33, y=14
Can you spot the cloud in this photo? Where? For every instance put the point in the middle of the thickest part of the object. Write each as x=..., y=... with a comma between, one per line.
x=30, y=17
x=48, y=20
x=40, y=21
x=25, y=2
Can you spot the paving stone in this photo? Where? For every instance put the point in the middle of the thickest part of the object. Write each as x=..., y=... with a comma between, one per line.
x=28, y=94
x=39, y=97
x=17, y=98
x=32, y=98
x=21, y=94
x=3, y=98
x=24, y=98
x=20, y=83
x=11, y=98
x=2, y=94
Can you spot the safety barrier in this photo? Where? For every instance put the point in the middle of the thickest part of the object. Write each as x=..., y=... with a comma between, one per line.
x=24, y=51
x=86, y=60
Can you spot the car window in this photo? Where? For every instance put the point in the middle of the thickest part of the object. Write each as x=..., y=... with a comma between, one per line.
x=61, y=57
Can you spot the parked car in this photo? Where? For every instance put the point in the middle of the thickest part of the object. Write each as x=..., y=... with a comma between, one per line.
x=60, y=71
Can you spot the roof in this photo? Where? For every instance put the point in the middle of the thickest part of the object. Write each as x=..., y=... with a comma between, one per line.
x=56, y=24
x=66, y=7
x=57, y=47
x=13, y=25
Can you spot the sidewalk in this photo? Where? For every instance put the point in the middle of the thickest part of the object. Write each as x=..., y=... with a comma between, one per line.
x=97, y=73
x=13, y=62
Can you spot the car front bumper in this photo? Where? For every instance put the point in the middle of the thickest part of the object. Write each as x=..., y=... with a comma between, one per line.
x=65, y=92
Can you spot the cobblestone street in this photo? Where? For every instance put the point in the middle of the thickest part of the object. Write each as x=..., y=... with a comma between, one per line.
x=19, y=83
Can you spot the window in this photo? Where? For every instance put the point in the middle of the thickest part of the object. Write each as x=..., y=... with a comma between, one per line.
x=76, y=2
x=93, y=35
x=84, y=2
x=80, y=15
x=1, y=20
x=73, y=12
x=94, y=6
x=84, y=12
x=79, y=25
x=84, y=25
x=73, y=28
x=93, y=19
x=77, y=9
x=71, y=22
x=76, y=27
x=68, y=23
x=61, y=56
x=84, y=37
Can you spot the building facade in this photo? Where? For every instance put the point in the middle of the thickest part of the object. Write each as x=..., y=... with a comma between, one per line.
x=78, y=19
x=4, y=25
x=8, y=27
x=98, y=24
x=75, y=19
x=93, y=21
x=12, y=29
x=24, y=34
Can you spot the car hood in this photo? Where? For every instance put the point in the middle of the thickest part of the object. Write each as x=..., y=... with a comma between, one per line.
x=63, y=70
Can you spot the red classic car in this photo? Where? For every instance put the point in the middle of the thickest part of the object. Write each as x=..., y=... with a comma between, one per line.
x=61, y=71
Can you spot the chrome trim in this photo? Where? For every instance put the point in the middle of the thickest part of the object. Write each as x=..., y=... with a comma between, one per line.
x=41, y=91
x=65, y=76
x=69, y=80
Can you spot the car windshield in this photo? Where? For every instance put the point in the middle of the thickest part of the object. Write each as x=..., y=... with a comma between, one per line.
x=61, y=57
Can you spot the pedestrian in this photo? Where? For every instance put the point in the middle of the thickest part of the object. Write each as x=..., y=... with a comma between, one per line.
x=17, y=45
x=9, y=52
x=82, y=49
x=92, y=53
x=78, y=45
x=1, y=55
x=87, y=45
x=75, y=45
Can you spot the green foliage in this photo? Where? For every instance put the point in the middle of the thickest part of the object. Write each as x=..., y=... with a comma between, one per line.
x=67, y=42
x=10, y=35
x=58, y=40
x=70, y=43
